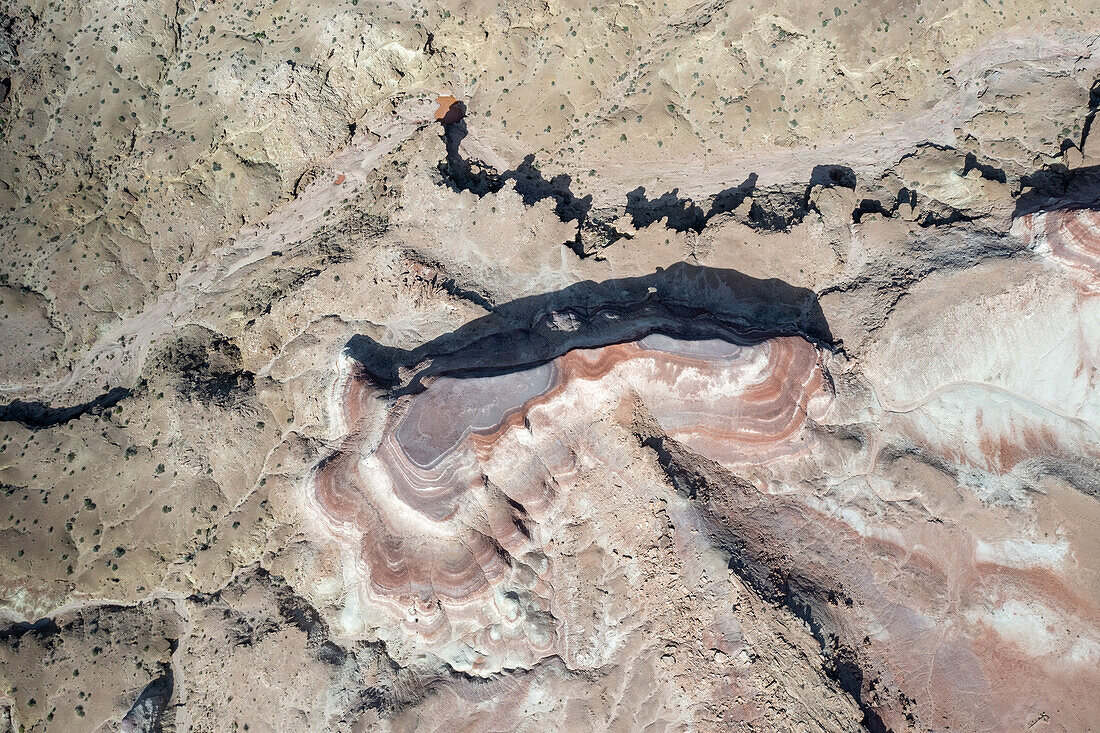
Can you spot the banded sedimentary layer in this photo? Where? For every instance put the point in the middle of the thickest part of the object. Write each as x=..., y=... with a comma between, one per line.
x=445, y=478
x=661, y=366
x=1070, y=238
x=457, y=464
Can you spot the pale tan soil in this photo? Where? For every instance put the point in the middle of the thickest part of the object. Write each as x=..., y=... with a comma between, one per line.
x=203, y=203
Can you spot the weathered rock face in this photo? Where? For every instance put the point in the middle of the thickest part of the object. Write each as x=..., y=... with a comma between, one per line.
x=497, y=367
x=1070, y=238
x=450, y=493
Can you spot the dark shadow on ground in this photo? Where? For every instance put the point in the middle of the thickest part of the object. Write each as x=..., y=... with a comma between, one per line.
x=988, y=172
x=42, y=415
x=731, y=198
x=682, y=213
x=463, y=174
x=1058, y=187
x=685, y=301
x=773, y=208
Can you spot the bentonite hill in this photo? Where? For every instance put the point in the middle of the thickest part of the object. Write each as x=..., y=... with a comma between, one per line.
x=452, y=365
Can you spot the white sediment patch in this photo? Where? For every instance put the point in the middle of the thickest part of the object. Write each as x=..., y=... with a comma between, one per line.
x=1041, y=631
x=1023, y=554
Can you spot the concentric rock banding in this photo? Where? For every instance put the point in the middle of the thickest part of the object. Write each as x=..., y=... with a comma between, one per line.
x=454, y=457
x=925, y=621
x=1069, y=237
x=445, y=469
x=734, y=403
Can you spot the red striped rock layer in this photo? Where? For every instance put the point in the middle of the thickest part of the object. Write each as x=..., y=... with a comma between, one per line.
x=942, y=621
x=1070, y=237
x=445, y=497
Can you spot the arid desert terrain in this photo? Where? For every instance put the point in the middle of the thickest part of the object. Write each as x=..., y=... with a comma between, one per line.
x=549, y=366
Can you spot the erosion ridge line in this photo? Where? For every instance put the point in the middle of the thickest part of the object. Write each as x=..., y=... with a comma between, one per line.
x=771, y=573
